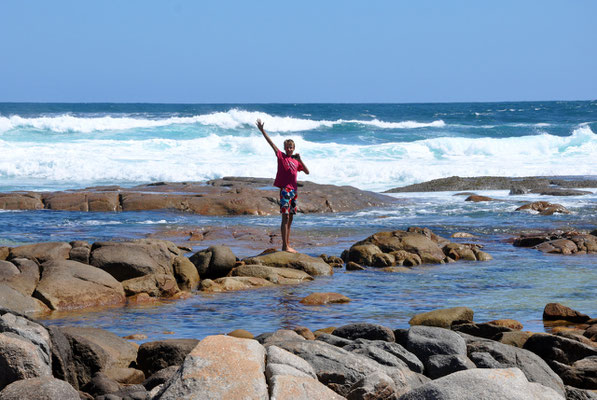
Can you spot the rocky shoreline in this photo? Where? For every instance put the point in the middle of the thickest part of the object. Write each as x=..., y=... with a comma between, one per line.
x=60, y=276
x=444, y=354
x=226, y=196
x=548, y=185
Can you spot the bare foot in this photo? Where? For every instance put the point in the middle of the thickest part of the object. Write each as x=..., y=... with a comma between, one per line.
x=290, y=250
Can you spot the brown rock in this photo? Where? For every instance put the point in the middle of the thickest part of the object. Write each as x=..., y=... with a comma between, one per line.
x=7, y=270
x=4, y=252
x=507, y=323
x=185, y=273
x=281, y=276
x=314, y=266
x=27, y=277
x=156, y=285
x=126, y=260
x=463, y=235
x=68, y=285
x=233, y=283
x=412, y=242
x=241, y=334
x=476, y=198
x=327, y=330
x=353, y=266
x=21, y=201
x=443, y=318
x=141, y=298
x=16, y=301
x=324, y=298
x=305, y=332
x=42, y=252
x=136, y=336
x=223, y=366
x=514, y=338
x=544, y=208
x=397, y=269
x=557, y=311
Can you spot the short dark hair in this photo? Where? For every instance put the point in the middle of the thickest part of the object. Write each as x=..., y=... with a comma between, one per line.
x=289, y=141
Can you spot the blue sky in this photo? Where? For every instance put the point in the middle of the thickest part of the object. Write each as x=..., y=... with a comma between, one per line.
x=292, y=52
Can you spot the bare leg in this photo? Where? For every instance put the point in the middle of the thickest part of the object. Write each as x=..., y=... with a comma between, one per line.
x=285, y=231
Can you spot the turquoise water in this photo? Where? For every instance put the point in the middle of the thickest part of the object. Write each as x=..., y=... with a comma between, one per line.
x=373, y=147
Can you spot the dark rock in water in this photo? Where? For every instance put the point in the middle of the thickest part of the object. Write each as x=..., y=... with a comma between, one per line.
x=544, y=208
x=353, y=266
x=214, y=262
x=476, y=198
x=456, y=183
x=487, y=353
x=560, y=192
x=154, y=356
x=557, y=311
x=559, y=242
x=443, y=317
x=42, y=388
x=517, y=190
x=365, y=331
x=316, y=299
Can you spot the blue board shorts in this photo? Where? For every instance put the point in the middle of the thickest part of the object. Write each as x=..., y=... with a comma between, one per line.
x=288, y=199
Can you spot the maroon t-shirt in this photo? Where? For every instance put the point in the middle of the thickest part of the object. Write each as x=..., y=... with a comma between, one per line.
x=288, y=169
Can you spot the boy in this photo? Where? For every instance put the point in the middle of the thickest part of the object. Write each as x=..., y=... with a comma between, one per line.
x=289, y=165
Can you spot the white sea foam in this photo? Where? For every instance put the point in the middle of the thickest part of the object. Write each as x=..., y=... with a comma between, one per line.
x=373, y=167
x=232, y=119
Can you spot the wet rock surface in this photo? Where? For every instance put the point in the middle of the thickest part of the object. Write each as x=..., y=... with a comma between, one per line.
x=559, y=242
x=409, y=248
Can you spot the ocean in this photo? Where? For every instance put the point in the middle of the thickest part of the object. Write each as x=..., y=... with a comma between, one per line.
x=370, y=146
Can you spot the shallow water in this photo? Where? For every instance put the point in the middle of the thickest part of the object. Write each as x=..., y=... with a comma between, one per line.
x=369, y=146
x=516, y=284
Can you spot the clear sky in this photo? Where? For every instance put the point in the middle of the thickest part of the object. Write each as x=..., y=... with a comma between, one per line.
x=179, y=51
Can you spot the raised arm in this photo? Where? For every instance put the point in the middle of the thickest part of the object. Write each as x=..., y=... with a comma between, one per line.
x=266, y=136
